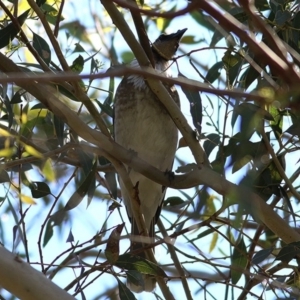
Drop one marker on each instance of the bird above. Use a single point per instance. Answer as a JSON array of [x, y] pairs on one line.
[[143, 125]]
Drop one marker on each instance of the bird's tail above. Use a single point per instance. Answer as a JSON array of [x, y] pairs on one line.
[[142, 282]]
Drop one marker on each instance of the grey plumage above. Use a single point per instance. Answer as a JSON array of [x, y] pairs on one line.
[[143, 125]]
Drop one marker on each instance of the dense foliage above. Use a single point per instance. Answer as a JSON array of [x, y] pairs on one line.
[[230, 217]]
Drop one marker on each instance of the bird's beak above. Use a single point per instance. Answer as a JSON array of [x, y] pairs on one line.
[[180, 33], [175, 36]]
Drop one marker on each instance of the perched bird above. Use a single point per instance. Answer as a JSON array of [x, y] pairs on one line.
[[142, 124]]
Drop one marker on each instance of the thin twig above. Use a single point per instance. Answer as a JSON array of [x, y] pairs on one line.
[[50, 35], [152, 13], [58, 17], [141, 31], [176, 261], [194, 85]]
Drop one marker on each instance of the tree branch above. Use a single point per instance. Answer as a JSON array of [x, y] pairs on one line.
[[30, 284], [279, 66]]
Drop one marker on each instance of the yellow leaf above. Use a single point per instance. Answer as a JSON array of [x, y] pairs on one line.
[[23, 118], [32, 114], [3, 132], [30, 150], [29, 58], [160, 22], [213, 242], [7, 152], [22, 6], [210, 208], [268, 93], [27, 199], [230, 60], [48, 170]]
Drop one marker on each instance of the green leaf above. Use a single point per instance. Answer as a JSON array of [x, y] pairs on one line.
[[70, 237], [189, 39], [4, 98], [277, 123], [264, 181], [112, 183], [294, 129], [42, 48], [39, 189], [295, 30], [127, 56], [214, 240], [172, 201], [108, 101], [8, 33], [202, 19], [212, 141], [77, 65], [59, 126], [124, 292], [57, 218], [105, 107], [4, 177], [248, 77], [77, 30], [282, 17], [51, 14], [78, 48], [48, 8], [238, 261], [48, 233], [82, 190], [262, 5], [40, 2], [261, 255], [241, 162], [287, 253], [232, 64], [16, 98], [214, 72], [137, 263], [217, 37], [66, 92], [205, 233], [251, 118], [135, 277]]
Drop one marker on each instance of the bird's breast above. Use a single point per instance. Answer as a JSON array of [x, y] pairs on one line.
[[142, 124]]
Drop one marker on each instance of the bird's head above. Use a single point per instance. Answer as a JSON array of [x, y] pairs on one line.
[[167, 44]]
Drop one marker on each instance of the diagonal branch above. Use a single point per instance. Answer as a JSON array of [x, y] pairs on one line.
[[141, 31], [261, 50], [30, 284]]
